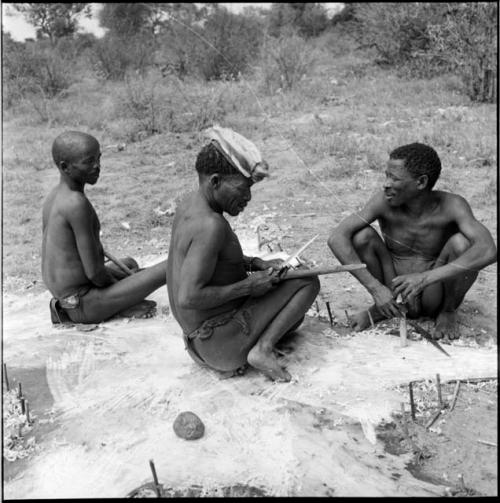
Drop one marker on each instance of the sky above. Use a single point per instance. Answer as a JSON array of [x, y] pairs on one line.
[[20, 29]]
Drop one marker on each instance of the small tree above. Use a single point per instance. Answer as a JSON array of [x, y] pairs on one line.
[[468, 41], [309, 19], [53, 20], [233, 43]]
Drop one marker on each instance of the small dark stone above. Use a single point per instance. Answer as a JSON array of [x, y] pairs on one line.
[[189, 426]]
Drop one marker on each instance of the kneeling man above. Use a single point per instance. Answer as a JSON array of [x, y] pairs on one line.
[[432, 246], [233, 309]]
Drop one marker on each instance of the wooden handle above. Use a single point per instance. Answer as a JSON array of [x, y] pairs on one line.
[[305, 273], [118, 262]]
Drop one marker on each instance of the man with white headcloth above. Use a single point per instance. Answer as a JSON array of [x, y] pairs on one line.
[[233, 309]]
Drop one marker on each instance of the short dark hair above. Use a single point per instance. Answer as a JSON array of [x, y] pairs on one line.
[[210, 160], [419, 160]]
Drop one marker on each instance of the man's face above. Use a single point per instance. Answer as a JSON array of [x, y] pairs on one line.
[[399, 186], [86, 166], [234, 193]]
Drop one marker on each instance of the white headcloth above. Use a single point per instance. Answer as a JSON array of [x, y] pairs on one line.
[[240, 152]]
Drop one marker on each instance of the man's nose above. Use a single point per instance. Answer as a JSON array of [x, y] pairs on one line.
[[387, 183]]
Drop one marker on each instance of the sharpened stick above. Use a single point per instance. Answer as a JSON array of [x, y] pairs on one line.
[[402, 325], [118, 262], [20, 391], [305, 273], [412, 403], [433, 419], [347, 317], [455, 395], [438, 387], [23, 405], [485, 442], [371, 319], [6, 377], [28, 420], [155, 478], [329, 313]]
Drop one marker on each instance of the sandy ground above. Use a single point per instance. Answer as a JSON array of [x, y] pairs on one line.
[[105, 401]]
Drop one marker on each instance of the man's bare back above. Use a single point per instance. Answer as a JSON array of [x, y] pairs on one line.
[[62, 268], [193, 215], [86, 290], [431, 247]]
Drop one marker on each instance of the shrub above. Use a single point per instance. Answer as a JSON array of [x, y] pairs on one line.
[[113, 55], [233, 42], [285, 61], [468, 40]]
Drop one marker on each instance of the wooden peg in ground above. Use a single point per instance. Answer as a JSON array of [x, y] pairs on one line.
[[402, 325]]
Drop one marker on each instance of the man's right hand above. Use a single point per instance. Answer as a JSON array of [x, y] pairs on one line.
[[262, 282], [386, 303]]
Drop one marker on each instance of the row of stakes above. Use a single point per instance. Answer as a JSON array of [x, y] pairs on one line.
[[25, 408]]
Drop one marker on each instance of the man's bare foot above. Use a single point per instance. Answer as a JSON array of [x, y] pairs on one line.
[[361, 320], [144, 309], [446, 325], [268, 364]]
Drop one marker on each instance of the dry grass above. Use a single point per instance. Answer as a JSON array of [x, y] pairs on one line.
[[339, 122]]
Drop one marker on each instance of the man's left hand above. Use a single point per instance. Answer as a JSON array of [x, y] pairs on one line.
[[408, 285]]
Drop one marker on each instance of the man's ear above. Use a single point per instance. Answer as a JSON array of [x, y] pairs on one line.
[[214, 180], [422, 181]]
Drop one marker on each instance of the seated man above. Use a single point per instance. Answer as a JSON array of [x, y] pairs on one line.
[[84, 289], [432, 246], [229, 317]]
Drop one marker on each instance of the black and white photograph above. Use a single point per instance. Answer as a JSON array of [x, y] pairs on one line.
[[249, 250]]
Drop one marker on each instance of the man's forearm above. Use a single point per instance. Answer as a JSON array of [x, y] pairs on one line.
[[473, 260], [215, 296], [347, 255]]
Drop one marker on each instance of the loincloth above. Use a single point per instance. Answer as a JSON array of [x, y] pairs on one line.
[[412, 265], [69, 309], [233, 324]]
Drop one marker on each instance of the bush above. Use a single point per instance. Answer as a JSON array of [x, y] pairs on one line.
[[113, 56], [233, 42], [36, 68], [468, 40], [428, 39], [285, 61]]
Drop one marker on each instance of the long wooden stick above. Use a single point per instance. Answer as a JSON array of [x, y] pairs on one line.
[[118, 262], [402, 325], [6, 377], [305, 273], [455, 395]]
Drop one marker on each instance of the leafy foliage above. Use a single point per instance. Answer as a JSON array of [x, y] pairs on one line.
[[308, 19], [427, 39], [53, 20]]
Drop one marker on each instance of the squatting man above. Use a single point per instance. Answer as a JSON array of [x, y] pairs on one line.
[[431, 248]]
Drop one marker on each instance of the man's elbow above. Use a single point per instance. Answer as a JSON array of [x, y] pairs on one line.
[[186, 300], [335, 238], [491, 254]]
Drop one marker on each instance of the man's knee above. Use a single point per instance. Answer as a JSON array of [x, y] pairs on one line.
[[131, 263], [457, 245], [311, 283], [364, 238]]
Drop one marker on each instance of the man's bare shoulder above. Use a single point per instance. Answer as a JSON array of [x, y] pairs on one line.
[[196, 219], [376, 206], [450, 202]]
